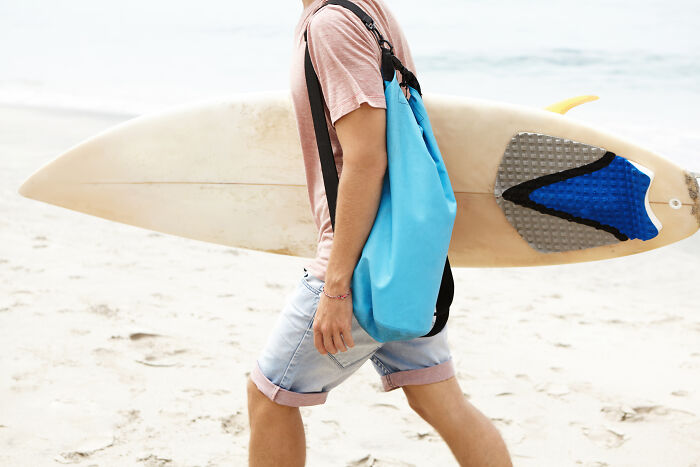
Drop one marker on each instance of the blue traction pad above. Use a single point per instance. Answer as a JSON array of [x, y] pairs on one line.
[[613, 195]]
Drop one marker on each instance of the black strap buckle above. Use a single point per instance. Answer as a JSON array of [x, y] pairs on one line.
[[390, 49]]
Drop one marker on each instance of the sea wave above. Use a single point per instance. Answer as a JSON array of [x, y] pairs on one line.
[[566, 61]]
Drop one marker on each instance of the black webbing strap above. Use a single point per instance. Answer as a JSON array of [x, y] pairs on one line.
[[323, 139], [325, 150], [444, 300]]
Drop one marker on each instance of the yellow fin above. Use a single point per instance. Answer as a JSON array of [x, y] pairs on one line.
[[568, 104]]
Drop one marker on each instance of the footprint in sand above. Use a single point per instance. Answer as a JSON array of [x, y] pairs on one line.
[[235, 424], [332, 430], [604, 437], [553, 389], [385, 406], [136, 336], [649, 413], [153, 460], [103, 310], [371, 461], [150, 349]]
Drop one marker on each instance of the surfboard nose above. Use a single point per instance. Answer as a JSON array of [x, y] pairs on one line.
[[25, 189], [36, 186], [61, 181], [47, 183]]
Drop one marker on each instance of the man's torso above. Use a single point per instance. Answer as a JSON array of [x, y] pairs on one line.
[[349, 65]]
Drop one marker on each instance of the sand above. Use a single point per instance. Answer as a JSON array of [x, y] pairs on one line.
[[122, 346]]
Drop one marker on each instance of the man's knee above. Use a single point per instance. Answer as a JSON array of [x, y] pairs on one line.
[[421, 407], [434, 399], [259, 402], [255, 396]]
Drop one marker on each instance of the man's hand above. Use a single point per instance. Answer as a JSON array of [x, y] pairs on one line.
[[332, 325]]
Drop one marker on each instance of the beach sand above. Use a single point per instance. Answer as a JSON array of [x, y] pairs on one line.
[[122, 346]]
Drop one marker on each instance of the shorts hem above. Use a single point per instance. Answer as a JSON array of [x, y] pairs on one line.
[[431, 374], [283, 396]]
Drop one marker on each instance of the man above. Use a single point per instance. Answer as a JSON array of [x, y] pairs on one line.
[[317, 342]]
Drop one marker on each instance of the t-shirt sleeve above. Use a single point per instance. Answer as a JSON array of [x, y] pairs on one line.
[[347, 58]]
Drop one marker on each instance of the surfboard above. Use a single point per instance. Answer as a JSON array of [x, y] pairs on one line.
[[533, 186]]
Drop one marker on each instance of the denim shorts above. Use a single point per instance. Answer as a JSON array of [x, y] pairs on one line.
[[290, 371]]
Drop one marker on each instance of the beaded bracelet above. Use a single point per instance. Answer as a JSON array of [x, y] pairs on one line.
[[336, 296]]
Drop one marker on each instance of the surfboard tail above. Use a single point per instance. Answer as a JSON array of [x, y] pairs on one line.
[[692, 180]]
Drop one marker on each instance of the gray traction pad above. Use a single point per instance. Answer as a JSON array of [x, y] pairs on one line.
[[532, 155]]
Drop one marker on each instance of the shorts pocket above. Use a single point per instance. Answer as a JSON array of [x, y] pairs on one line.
[[365, 346], [312, 283]]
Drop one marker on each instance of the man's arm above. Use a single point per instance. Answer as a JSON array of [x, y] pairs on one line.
[[362, 136]]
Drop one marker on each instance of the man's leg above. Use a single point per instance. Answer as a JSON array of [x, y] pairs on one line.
[[290, 373], [473, 439], [276, 432]]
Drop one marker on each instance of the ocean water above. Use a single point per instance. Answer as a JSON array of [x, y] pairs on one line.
[[127, 56]]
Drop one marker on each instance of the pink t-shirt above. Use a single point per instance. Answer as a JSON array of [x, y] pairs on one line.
[[347, 59]]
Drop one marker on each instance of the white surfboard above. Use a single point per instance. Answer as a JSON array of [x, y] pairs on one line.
[[231, 172]]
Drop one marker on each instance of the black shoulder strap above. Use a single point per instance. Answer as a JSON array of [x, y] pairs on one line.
[[389, 60], [323, 140], [325, 150]]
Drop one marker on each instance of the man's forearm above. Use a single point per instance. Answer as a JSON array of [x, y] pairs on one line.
[[359, 193]]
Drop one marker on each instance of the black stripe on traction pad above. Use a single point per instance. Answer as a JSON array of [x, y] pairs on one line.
[[520, 194]]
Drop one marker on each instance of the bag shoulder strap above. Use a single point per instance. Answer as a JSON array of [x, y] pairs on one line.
[[389, 60], [323, 139], [325, 150]]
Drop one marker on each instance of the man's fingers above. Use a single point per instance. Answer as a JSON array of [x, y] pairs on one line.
[[328, 343], [318, 342], [338, 341], [347, 337]]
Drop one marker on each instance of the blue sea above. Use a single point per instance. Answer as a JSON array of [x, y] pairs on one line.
[[136, 56]]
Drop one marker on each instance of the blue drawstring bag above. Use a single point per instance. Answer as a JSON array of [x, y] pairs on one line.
[[402, 285]]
